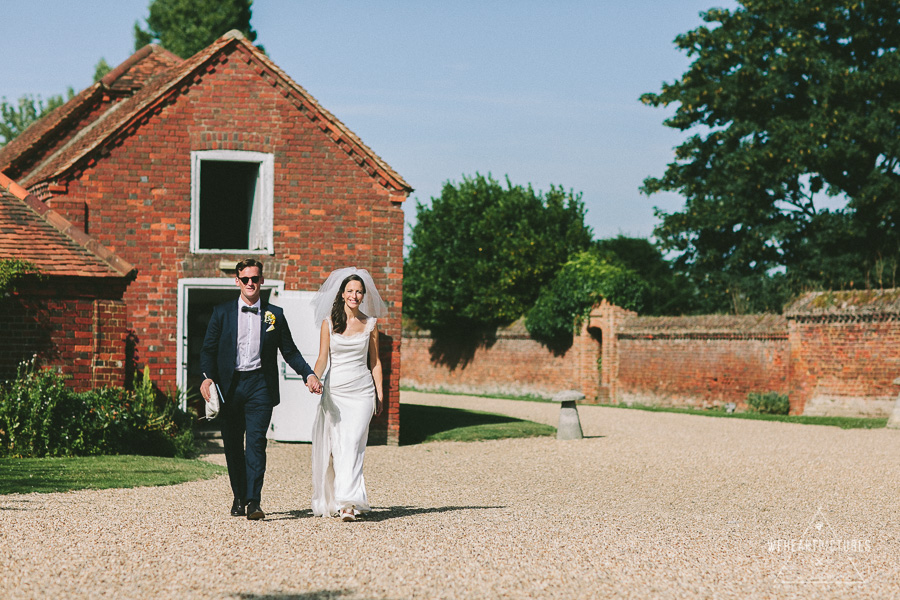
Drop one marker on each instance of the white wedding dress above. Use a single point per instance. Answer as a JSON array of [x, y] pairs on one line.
[[341, 428]]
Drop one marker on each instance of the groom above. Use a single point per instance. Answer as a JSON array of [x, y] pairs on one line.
[[238, 354]]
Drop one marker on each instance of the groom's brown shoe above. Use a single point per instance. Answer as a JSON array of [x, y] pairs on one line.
[[237, 508], [254, 512]]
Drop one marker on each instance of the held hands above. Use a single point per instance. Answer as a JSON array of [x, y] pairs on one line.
[[313, 384]]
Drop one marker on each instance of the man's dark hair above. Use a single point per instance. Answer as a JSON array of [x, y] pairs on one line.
[[247, 262]]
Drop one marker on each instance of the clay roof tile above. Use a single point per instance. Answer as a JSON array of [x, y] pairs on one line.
[[163, 84], [31, 231]]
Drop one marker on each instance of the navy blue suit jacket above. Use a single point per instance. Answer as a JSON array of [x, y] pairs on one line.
[[218, 357]]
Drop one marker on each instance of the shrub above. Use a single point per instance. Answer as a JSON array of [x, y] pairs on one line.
[[583, 281], [40, 416], [768, 403]]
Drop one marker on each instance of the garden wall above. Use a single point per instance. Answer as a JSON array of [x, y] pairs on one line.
[[512, 364], [701, 361], [832, 353], [845, 347]]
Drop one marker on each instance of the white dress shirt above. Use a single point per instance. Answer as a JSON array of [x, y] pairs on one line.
[[248, 358]]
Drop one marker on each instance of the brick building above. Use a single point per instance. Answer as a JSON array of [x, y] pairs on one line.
[[184, 167], [72, 313]]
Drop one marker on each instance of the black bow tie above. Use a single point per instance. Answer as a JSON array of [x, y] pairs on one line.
[[253, 309]]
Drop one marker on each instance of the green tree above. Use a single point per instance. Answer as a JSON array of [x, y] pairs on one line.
[[790, 103], [101, 69], [185, 27], [668, 291], [481, 252], [583, 281], [14, 119]]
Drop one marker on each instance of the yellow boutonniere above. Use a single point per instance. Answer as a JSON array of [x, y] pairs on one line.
[[270, 319]]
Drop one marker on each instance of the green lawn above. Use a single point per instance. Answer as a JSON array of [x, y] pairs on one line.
[[437, 423], [842, 422], [419, 424], [25, 475]]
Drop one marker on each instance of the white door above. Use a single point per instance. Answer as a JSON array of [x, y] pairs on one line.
[[292, 419]]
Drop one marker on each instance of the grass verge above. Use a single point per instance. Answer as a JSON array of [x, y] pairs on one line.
[[527, 398], [438, 423], [26, 475], [842, 422]]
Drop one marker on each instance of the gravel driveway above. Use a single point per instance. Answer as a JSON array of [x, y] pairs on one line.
[[648, 505]]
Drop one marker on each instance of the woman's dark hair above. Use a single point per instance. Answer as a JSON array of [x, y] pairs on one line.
[[338, 316]]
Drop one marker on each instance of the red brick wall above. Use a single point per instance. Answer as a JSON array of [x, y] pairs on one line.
[[615, 359], [513, 364], [840, 364], [846, 365], [701, 371], [329, 212], [84, 337]]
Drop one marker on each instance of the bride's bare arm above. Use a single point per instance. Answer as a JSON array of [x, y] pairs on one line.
[[375, 361], [324, 344]]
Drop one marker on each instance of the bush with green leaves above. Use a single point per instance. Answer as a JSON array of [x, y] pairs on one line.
[[768, 403], [582, 281], [12, 270], [481, 252], [40, 416]]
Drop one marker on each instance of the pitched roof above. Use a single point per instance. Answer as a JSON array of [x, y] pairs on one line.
[[121, 118], [31, 231], [128, 77]]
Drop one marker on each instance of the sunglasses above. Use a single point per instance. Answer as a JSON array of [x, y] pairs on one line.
[[246, 280]]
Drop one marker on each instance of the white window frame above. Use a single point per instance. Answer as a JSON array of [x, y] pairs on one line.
[[264, 201]]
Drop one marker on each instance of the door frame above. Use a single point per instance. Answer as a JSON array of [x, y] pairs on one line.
[[185, 285]]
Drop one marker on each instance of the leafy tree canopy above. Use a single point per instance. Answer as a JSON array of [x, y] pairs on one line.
[[185, 27], [481, 252], [668, 292], [586, 279], [14, 119], [790, 102]]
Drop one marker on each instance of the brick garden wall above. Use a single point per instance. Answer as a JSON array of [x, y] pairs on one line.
[[836, 362], [846, 354], [702, 361], [84, 337], [513, 364], [329, 211]]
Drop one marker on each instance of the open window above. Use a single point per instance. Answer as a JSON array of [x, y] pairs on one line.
[[232, 201]]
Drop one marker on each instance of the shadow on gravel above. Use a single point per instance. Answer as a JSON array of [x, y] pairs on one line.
[[397, 512], [288, 515], [380, 514], [209, 441], [317, 595]]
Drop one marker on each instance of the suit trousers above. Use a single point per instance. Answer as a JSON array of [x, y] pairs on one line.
[[247, 409]]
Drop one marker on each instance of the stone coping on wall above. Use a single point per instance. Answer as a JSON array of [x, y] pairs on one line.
[[756, 326], [846, 305]]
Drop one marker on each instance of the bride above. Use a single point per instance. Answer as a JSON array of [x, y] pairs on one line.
[[346, 305]]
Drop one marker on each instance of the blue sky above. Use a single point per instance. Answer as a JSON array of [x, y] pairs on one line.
[[544, 92]]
